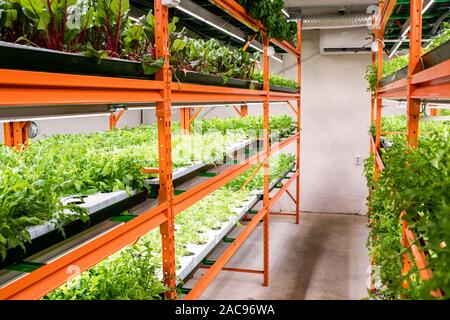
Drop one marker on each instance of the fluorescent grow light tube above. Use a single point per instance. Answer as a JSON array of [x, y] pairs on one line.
[[285, 13], [428, 5], [256, 48], [196, 16], [260, 50], [396, 48], [210, 23], [55, 117], [404, 33], [277, 59]]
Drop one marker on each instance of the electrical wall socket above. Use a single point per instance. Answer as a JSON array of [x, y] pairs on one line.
[[359, 160]]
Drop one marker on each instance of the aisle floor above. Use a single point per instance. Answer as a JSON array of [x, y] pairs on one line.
[[324, 257]]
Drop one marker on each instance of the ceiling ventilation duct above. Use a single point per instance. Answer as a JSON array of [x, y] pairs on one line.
[[336, 21]]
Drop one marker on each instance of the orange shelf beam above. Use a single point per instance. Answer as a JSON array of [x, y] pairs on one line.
[[114, 118], [386, 13], [29, 88], [195, 93], [42, 88], [286, 46]]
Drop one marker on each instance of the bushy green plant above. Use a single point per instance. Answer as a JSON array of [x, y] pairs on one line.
[[416, 181], [442, 38], [389, 67], [211, 57], [97, 28], [444, 112], [276, 80], [129, 274], [270, 14], [253, 124]]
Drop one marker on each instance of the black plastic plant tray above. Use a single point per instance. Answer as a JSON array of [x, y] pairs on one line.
[[430, 59], [211, 80], [21, 57], [283, 89], [53, 237], [436, 56], [400, 74]]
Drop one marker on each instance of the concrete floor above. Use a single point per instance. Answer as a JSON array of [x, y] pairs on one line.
[[324, 257]]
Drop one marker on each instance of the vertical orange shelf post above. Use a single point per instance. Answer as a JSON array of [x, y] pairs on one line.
[[114, 118], [379, 101], [415, 52], [434, 112], [299, 112], [15, 134], [244, 110], [372, 151], [413, 105], [185, 120], [187, 116], [163, 114], [266, 88], [372, 104]]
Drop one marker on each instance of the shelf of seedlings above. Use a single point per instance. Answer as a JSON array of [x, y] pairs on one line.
[[189, 264], [106, 211]]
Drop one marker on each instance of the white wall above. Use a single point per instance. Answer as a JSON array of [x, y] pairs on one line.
[[335, 121]]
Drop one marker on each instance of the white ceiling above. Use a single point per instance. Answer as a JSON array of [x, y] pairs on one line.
[[321, 3], [325, 7]]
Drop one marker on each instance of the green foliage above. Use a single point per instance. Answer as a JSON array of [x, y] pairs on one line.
[[250, 124], [270, 15], [442, 38], [371, 78], [276, 80], [393, 65], [389, 67], [444, 112], [278, 167], [210, 57], [398, 124], [417, 181], [130, 274], [102, 29], [97, 28], [34, 180]]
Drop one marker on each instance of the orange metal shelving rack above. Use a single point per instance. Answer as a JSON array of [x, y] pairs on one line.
[[37, 89], [431, 83]]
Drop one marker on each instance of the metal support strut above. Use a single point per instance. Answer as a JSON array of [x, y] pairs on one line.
[[163, 114], [16, 134], [187, 117]]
